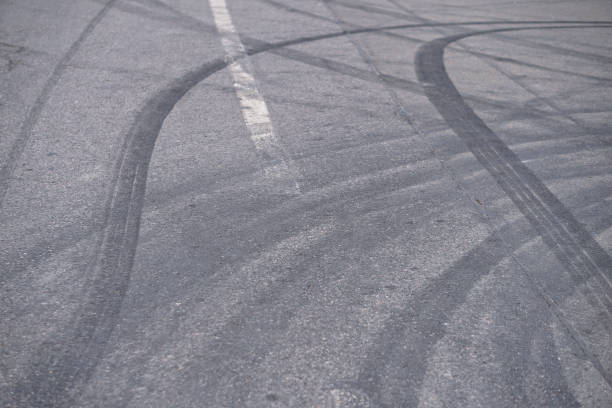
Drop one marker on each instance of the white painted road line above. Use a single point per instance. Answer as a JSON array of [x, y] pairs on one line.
[[253, 107]]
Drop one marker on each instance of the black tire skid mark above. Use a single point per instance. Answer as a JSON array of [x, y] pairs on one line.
[[18, 146], [380, 359], [569, 51], [409, 335], [539, 97], [177, 19], [562, 146], [59, 368], [552, 363], [91, 329], [393, 81], [505, 59], [248, 254], [282, 221], [227, 350], [292, 278], [538, 66], [560, 112], [370, 9], [559, 50], [524, 42], [488, 253], [280, 6], [195, 186], [525, 339], [230, 343], [465, 133], [553, 381], [423, 316], [243, 337], [513, 351], [197, 24], [514, 347], [384, 79], [396, 82], [322, 199], [272, 295], [250, 334], [487, 57], [400, 83], [193, 23], [560, 383], [289, 9], [575, 248], [17, 262], [416, 40]]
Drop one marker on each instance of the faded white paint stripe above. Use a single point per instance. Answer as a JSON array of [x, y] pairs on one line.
[[252, 104]]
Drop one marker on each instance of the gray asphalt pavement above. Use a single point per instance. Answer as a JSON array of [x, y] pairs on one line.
[[315, 203]]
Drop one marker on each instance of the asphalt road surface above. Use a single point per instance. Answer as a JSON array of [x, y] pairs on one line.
[[305, 203]]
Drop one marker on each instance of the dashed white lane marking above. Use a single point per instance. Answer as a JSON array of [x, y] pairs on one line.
[[252, 105]]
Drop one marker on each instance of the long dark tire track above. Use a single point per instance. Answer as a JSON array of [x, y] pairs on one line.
[[17, 148], [74, 357], [573, 245]]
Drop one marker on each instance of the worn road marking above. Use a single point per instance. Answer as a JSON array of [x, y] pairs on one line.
[[252, 104]]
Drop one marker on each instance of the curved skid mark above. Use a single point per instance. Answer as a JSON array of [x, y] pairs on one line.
[[575, 248], [371, 9], [391, 80], [290, 9], [410, 334], [422, 321], [24, 258], [7, 169], [248, 330], [522, 359], [75, 356], [150, 9], [513, 61]]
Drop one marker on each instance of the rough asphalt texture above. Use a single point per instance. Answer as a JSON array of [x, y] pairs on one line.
[[449, 243]]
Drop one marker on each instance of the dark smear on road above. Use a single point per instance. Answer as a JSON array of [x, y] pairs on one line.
[[59, 369]]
